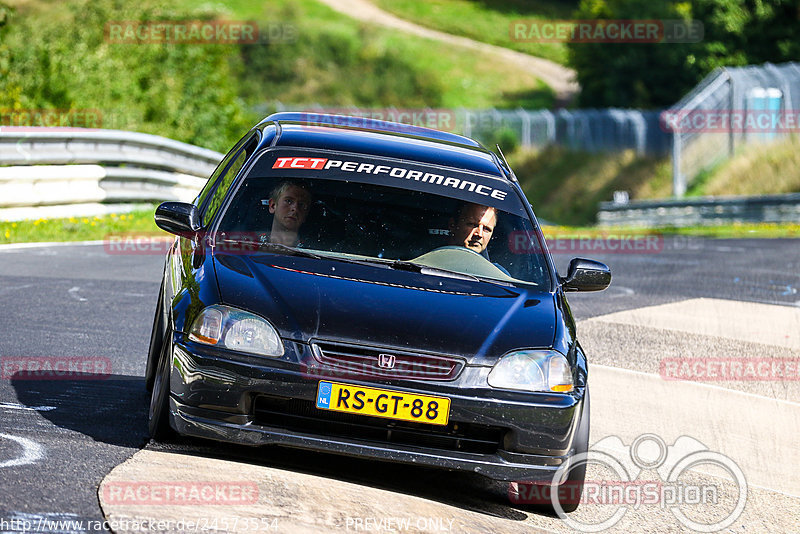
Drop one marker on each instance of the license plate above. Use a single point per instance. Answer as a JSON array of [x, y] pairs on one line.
[[383, 403]]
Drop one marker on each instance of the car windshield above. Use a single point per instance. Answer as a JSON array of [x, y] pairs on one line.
[[383, 225]]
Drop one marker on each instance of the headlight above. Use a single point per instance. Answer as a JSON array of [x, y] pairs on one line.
[[532, 370], [236, 330]]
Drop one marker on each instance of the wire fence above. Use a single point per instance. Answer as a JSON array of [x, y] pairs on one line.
[[591, 130], [730, 108]]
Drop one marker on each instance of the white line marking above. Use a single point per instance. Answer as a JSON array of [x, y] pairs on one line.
[[14, 288], [15, 406], [621, 291], [74, 294], [31, 452], [16, 246], [697, 384]]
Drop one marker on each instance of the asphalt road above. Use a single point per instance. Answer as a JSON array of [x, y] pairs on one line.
[[59, 438]]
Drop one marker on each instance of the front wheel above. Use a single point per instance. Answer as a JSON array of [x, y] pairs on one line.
[[158, 415], [570, 492], [156, 340], [567, 494]]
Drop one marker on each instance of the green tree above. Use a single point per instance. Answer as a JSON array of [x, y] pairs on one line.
[[655, 75], [186, 92], [742, 32]]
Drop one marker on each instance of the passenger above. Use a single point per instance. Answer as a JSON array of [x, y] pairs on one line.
[[289, 202], [472, 227]]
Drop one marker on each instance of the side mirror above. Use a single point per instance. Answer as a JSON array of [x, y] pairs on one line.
[[586, 275], [179, 218]]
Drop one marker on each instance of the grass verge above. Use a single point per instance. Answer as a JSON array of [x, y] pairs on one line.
[[336, 60], [757, 169], [209, 94], [80, 228], [566, 186], [728, 231]]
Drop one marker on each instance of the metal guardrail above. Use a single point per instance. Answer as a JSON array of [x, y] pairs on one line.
[[47, 172], [701, 211]]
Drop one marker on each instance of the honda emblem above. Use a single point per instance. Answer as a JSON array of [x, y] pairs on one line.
[[386, 361]]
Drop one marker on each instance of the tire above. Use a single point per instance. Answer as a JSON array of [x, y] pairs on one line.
[[158, 415], [573, 485], [537, 496], [156, 341]]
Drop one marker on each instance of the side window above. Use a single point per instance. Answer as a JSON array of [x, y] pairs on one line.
[[226, 179], [201, 198]]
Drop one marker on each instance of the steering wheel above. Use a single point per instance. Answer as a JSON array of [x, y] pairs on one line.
[[458, 247]]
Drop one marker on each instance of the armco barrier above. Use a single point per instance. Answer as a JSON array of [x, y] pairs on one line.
[[47, 172], [701, 211]]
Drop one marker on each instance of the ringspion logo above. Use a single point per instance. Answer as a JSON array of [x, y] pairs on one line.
[[672, 484]]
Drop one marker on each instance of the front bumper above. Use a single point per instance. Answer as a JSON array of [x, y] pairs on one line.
[[503, 435]]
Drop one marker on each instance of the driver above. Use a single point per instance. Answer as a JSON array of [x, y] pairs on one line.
[[289, 202], [472, 227]]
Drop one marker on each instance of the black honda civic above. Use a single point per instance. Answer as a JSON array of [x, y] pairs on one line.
[[375, 290]]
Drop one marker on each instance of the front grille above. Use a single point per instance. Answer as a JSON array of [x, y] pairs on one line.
[[355, 360], [304, 416]]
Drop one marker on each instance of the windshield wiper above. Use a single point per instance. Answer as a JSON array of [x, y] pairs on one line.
[[286, 249], [292, 251], [271, 247], [438, 271], [402, 265]]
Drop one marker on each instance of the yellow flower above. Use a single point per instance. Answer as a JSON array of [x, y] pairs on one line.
[[8, 234], [94, 223], [13, 225], [113, 215], [73, 220], [36, 222], [122, 217], [85, 221]]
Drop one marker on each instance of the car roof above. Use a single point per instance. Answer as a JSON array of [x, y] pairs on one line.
[[359, 135]]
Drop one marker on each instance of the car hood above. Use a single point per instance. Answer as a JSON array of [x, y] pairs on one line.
[[320, 299]]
